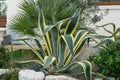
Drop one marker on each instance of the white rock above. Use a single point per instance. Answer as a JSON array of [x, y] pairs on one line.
[[59, 77], [98, 78], [30, 75], [3, 71], [111, 78]]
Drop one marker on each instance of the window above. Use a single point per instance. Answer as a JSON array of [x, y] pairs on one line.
[[3, 7], [109, 2]]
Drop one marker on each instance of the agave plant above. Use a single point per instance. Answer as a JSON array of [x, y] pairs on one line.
[[63, 46]]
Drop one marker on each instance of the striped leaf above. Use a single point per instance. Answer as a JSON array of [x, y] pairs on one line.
[[106, 25], [42, 26], [116, 32], [78, 45], [55, 36], [41, 21], [80, 40], [28, 61], [88, 70], [113, 26], [113, 33], [73, 23], [80, 35], [34, 50], [62, 47], [40, 48], [86, 67], [68, 39], [58, 25], [23, 38], [48, 60]]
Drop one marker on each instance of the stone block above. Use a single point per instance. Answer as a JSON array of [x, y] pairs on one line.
[[3, 71], [31, 75], [59, 77], [6, 40]]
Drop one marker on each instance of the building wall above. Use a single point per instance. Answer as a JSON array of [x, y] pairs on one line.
[[113, 16], [12, 8]]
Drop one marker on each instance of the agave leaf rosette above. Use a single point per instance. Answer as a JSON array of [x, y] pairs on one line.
[[63, 46]]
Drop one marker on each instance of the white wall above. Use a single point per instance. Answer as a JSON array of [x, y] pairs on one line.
[[11, 10], [113, 16]]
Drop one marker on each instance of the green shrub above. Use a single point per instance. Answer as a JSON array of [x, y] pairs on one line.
[[10, 76], [24, 54], [4, 57], [108, 59]]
